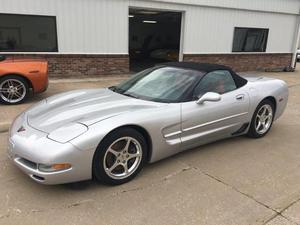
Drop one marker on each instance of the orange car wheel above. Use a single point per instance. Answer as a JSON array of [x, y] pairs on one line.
[[13, 90]]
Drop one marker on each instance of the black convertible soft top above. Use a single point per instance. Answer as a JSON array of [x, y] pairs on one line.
[[207, 67]]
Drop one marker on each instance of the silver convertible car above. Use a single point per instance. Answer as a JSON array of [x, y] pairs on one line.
[[110, 134]]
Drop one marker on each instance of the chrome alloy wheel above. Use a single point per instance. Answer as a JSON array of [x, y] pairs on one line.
[[12, 90], [122, 158], [264, 119]]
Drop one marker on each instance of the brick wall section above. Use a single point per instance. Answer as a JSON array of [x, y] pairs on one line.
[[87, 65], [246, 62], [97, 65], [66, 65]]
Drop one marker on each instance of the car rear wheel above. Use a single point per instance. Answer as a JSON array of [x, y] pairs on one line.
[[120, 156], [13, 90], [262, 119]]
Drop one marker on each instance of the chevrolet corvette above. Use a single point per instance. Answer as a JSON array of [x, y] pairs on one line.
[[110, 134], [18, 76]]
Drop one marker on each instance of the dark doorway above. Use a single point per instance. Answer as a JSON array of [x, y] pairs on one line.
[[154, 37]]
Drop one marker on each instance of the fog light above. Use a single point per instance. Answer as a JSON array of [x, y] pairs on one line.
[[54, 167]]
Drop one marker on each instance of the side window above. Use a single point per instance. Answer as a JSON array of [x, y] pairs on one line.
[[219, 81]]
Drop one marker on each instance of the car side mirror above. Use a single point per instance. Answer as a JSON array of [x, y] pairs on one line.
[[209, 97]]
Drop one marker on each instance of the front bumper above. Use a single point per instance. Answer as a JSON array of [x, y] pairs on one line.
[[31, 147]]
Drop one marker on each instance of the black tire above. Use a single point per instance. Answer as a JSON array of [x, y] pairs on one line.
[[16, 79], [253, 133], [100, 155]]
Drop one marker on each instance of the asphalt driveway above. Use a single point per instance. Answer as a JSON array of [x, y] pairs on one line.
[[238, 181]]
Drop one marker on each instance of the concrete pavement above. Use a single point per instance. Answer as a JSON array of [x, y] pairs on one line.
[[238, 181]]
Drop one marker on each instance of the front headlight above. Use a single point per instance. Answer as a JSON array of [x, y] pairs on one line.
[[54, 167], [67, 133]]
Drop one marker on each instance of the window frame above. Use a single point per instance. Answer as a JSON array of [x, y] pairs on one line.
[[35, 15], [251, 28]]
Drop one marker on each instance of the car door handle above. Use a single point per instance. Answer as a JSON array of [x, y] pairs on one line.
[[240, 97]]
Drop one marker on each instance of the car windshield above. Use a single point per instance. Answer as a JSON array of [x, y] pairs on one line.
[[160, 84]]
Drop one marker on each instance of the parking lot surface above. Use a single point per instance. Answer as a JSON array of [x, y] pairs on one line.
[[238, 181]]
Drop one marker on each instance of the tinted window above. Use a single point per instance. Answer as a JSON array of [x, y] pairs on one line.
[[250, 40], [26, 33], [219, 81], [165, 84]]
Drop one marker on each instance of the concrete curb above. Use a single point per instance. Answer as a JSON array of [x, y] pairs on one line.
[[4, 127]]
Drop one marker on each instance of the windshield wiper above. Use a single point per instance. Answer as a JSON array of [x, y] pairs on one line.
[[129, 95], [120, 91], [112, 88], [115, 89]]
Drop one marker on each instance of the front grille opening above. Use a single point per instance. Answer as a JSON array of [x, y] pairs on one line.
[[38, 177], [28, 163]]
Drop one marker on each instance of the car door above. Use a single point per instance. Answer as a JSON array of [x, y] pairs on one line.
[[210, 121]]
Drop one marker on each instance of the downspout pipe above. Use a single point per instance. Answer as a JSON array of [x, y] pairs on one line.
[[296, 43]]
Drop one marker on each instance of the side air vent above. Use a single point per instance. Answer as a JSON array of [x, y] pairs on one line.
[[242, 129]]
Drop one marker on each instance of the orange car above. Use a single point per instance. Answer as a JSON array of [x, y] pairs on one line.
[[19, 76]]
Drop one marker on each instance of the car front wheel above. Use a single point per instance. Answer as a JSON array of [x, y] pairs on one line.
[[262, 119], [13, 90], [120, 156]]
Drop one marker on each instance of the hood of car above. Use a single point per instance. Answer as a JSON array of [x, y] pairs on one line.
[[83, 106]]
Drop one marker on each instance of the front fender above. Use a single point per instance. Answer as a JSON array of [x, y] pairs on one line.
[[158, 123]]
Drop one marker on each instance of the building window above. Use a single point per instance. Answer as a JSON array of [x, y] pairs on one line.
[[250, 39], [27, 33]]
